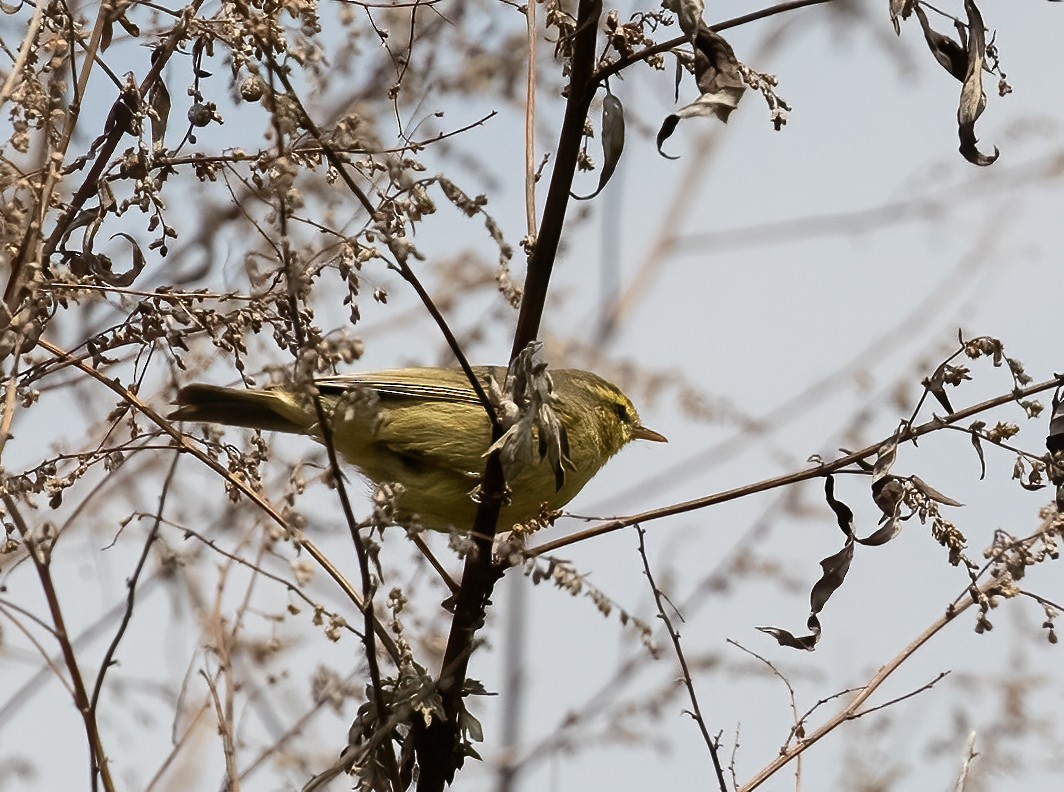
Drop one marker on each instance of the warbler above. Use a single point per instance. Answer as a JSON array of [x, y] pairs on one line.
[[426, 429]]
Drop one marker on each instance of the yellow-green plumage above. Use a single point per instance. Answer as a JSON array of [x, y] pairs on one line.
[[426, 429]]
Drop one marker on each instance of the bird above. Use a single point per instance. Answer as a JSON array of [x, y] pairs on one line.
[[427, 430]]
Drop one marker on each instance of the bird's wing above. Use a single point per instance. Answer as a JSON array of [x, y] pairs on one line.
[[452, 435], [438, 384]]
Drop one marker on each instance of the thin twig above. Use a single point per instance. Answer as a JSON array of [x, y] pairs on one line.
[[50, 663], [131, 585], [29, 44], [295, 729], [226, 636], [798, 720], [289, 586], [969, 756], [178, 743], [674, 636], [434, 562], [942, 675], [530, 123], [225, 729], [24, 693]]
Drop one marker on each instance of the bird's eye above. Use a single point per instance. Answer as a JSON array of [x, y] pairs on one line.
[[622, 412]]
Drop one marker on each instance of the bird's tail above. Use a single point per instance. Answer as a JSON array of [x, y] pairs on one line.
[[273, 410]]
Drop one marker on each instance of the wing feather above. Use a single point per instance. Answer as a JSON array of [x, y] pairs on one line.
[[437, 384]]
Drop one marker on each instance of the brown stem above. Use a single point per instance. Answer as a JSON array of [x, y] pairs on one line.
[[679, 41], [853, 709], [437, 745], [905, 434], [530, 122], [40, 554]]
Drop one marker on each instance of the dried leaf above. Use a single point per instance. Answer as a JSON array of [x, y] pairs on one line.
[[719, 82], [791, 641], [888, 494], [159, 102], [973, 100], [1055, 438], [835, 568], [688, 14], [936, 386], [900, 9], [83, 263], [716, 67], [883, 534], [965, 60], [932, 493], [612, 141], [978, 444], [125, 112], [843, 513], [130, 27], [470, 725], [106, 34], [885, 457], [718, 104], [953, 56]]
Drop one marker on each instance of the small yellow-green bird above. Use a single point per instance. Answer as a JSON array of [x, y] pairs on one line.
[[426, 429]]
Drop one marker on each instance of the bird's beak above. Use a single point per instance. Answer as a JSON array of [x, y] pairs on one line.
[[642, 433]]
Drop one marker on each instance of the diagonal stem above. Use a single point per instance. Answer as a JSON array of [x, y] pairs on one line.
[[438, 745]]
